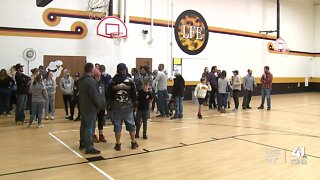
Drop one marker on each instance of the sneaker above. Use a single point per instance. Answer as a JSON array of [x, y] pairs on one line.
[[174, 117], [249, 107], [117, 147], [70, 118], [47, 117], [67, 116], [93, 151], [161, 115], [102, 138], [52, 118], [244, 108], [134, 145], [145, 137], [29, 125], [77, 119], [181, 116], [200, 116], [268, 108], [137, 136], [95, 139], [235, 110], [260, 107], [40, 126]]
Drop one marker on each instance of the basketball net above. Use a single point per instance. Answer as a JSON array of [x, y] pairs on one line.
[[98, 9], [116, 38]]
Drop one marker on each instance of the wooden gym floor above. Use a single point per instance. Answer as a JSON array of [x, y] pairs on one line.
[[248, 144]]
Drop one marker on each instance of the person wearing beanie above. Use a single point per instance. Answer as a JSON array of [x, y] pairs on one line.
[[121, 100], [101, 114], [90, 105]]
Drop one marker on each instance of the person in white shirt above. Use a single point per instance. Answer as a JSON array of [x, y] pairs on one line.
[[236, 88], [200, 92]]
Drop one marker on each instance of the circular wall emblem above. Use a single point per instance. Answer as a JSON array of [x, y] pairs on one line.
[[191, 32]]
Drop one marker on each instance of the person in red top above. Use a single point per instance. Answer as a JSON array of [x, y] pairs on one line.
[[266, 86]]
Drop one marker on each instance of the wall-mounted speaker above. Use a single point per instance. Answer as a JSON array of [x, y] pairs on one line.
[[43, 3]]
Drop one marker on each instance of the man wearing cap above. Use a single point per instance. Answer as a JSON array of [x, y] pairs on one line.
[[90, 105], [23, 84], [266, 86], [236, 88], [248, 84], [122, 99]]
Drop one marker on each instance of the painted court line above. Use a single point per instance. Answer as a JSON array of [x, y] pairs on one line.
[[80, 156], [173, 129]]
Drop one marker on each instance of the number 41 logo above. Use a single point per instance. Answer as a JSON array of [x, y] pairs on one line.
[[298, 152]]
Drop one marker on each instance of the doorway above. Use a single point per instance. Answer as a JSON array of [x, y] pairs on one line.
[[140, 62], [74, 63]]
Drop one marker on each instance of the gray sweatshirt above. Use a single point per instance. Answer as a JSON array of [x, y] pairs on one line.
[[66, 85], [222, 85], [162, 81], [50, 86], [39, 92]]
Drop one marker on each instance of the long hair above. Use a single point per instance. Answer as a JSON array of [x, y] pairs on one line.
[[223, 74], [3, 74], [37, 79]]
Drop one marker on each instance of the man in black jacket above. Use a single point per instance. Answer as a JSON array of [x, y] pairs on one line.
[[23, 84], [89, 102], [122, 99]]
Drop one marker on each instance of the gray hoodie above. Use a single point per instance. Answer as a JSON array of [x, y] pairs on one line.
[[50, 86], [39, 92], [66, 83]]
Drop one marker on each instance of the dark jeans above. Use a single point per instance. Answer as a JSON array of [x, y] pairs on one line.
[[5, 97], [179, 107], [101, 119], [236, 98], [223, 97], [162, 99], [212, 99], [37, 110], [75, 101], [67, 99], [88, 124], [142, 116], [246, 98], [21, 105]]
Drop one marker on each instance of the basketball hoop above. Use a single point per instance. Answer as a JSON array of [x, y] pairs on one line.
[[98, 9]]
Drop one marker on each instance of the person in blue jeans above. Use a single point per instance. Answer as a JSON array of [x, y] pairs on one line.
[[6, 84], [177, 94], [266, 86], [161, 81], [39, 97]]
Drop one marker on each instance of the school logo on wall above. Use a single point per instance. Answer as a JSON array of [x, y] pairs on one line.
[[191, 32]]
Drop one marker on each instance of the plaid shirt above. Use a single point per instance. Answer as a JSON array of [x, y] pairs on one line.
[[266, 80]]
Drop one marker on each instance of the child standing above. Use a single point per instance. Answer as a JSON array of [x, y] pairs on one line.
[[143, 112], [200, 93]]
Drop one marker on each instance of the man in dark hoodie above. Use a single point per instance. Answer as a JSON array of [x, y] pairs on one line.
[[122, 99], [89, 103]]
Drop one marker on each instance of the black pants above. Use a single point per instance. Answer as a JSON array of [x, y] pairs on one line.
[[67, 99], [101, 119], [246, 98], [236, 98], [75, 102], [212, 99], [142, 116]]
